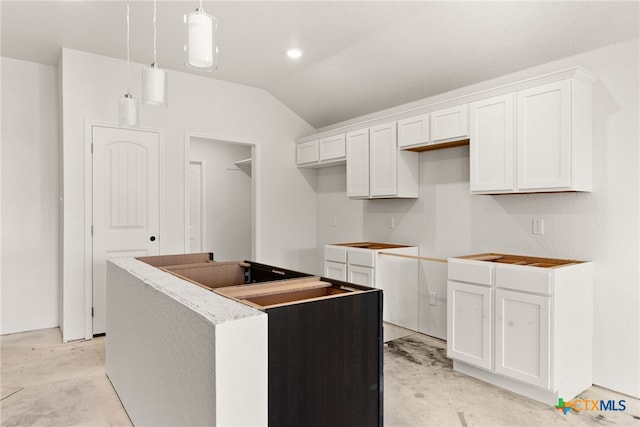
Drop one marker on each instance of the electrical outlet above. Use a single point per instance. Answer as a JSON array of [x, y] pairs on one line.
[[538, 226], [433, 298]]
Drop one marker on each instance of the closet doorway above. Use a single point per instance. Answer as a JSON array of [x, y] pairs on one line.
[[221, 194]]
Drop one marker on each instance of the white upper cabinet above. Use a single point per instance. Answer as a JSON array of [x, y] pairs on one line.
[[491, 152], [307, 152], [323, 152], [383, 160], [413, 131], [450, 124], [375, 168], [358, 163], [332, 148], [544, 137], [534, 140]]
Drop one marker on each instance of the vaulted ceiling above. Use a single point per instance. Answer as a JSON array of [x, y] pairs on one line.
[[359, 56]]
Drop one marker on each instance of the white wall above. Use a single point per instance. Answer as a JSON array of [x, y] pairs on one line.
[[602, 226], [91, 87], [227, 200], [29, 196]]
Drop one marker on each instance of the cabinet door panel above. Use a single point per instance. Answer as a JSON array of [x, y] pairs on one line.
[[335, 270], [544, 136], [307, 152], [492, 144], [358, 163], [332, 148], [383, 177], [522, 337], [450, 124], [413, 131], [360, 275], [469, 323]]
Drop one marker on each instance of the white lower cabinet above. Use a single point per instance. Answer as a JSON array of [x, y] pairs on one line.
[[469, 323], [507, 323], [360, 275], [335, 270], [522, 336], [396, 276]]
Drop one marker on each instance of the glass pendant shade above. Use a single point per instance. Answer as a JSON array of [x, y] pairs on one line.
[[128, 111], [154, 86], [201, 52]]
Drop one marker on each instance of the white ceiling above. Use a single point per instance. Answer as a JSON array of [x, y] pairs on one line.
[[360, 56]]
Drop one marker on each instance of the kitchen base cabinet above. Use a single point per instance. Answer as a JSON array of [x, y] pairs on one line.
[[366, 264], [522, 323], [469, 323], [310, 387], [522, 337], [193, 341]]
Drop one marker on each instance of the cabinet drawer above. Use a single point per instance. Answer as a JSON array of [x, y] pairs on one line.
[[522, 278], [335, 253], [362, 257], [469, 271]]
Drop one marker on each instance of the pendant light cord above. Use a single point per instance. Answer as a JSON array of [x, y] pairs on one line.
[[128, 72], [154, 34]]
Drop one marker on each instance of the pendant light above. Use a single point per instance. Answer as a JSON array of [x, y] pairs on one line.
[[154, 78], [128, 104], [201, 50]]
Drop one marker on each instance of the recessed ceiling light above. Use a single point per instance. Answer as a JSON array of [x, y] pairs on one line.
[[294, 53]]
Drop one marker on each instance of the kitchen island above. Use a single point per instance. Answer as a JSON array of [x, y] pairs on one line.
[[278, 348]]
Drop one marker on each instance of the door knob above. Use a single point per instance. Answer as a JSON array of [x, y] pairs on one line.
[[152, 238]]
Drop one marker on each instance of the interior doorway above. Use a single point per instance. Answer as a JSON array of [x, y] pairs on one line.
[[221, 205]]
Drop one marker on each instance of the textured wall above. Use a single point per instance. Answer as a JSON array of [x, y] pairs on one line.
[[29, 196]]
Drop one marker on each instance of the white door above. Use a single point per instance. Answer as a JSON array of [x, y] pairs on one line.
[[383, 159], [522, 337], [125, 203], [358, 163], [469, 323], [544, 136], [196, 206], [492, 144]]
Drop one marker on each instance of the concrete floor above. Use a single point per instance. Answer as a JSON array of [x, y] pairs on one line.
[[45, 382]]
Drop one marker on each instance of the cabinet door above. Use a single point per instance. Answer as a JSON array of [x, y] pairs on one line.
[[332, 148], [335, 270], [358, 163], [360, 275], [492, 144], [522, 337], [544, 137], [469, 323], [383, 158], [307, 152], [450, 124], [413, 131]]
